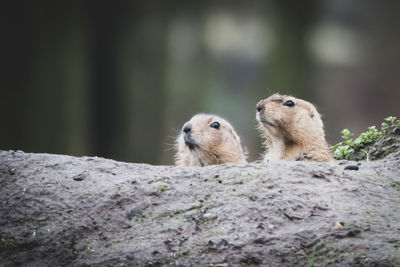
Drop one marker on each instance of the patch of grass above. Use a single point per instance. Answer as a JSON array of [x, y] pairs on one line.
[[311, 260], [347, 148]]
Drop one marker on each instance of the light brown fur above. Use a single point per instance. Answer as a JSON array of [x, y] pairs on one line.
[[208, 145], [292, 133]]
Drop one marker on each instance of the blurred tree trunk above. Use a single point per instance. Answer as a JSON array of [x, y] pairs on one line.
[[16, 54], [143, 77], [290, 67], [60, 78], [104, 86], [128, 53], [47, 89]]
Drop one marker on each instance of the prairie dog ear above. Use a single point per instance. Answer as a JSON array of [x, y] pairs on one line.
[[311, 113], [316, 117]]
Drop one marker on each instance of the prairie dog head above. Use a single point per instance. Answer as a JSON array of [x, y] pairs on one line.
[[208, 140], [289, 119]]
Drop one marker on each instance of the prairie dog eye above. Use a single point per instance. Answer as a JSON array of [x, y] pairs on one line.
[[289, 103], [215, 125]]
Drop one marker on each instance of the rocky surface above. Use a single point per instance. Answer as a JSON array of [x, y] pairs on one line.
[[67, 211]]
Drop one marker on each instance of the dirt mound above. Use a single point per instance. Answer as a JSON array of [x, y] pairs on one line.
[[60, 210]]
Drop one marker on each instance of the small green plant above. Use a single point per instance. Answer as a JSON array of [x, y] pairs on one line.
[[366, 153], [162, 188], [342, 151], [89, 249], [346, 148], [391, 119], [311, 259], [346, 134], [394, 122]]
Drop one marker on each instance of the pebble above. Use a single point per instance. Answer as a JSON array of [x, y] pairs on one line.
[[317, 174], [210, 216], [79, 177], [338, 225], [351, 167]]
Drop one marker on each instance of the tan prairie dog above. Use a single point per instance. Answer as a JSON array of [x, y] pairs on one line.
[[208, 140], [293, 129]]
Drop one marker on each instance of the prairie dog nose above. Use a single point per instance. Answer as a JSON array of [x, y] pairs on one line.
[[187, 127], [260, 106]]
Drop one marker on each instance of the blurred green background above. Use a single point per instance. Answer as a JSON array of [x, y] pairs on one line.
[[118, 79]]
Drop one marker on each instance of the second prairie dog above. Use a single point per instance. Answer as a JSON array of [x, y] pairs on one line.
[[293, 129], [208, 140]]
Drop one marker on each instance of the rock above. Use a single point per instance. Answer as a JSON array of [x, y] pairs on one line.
[[210, 216], [101, 212], [351, 167], [80, 177]]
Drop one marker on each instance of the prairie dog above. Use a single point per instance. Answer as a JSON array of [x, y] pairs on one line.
[[293, 129], [208, 140]]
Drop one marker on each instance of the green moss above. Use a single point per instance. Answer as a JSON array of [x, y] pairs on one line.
[[9, 243], [396, 262], [162, 188], [370, 214], [177, 212], [395, 185], [217, 233], [89, 250]]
